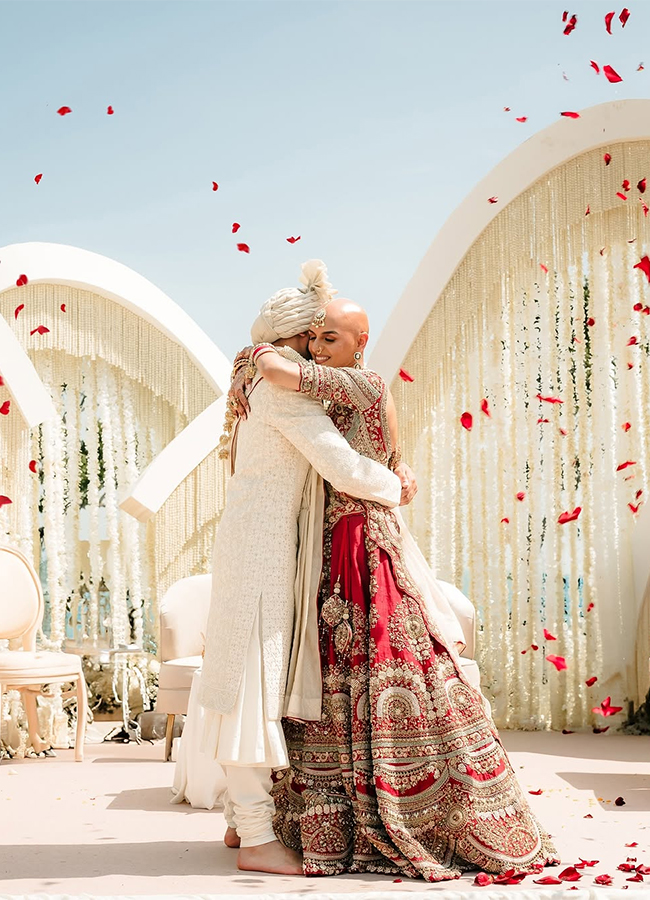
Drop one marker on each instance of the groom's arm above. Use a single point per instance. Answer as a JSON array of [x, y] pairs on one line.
[[305, 423]]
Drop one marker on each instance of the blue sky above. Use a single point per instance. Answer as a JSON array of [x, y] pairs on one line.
[[357, 124]]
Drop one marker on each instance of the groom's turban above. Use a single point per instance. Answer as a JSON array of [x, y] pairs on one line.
[[291, 311]]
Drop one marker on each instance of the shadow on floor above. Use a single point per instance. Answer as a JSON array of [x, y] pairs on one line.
[[634, 789], [156, 799]]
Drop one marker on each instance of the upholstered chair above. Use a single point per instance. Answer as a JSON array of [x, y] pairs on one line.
[[27, 669], [183, 620]]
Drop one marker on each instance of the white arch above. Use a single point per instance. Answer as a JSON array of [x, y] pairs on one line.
[[624, 120], [61, 264]]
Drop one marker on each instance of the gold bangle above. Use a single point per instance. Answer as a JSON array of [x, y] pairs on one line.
[[395, 459]]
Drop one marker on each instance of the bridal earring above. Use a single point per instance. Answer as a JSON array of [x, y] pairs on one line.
[[357, 364]]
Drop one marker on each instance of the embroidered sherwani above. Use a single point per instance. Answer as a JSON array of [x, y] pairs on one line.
[[255, 551]]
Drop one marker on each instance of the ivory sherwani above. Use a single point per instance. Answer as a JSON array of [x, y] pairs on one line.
[[255, 552]]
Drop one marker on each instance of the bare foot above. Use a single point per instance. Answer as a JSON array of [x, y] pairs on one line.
[[273, 858], [231, 838]]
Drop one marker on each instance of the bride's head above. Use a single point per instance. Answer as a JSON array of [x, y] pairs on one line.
[[339, 334]]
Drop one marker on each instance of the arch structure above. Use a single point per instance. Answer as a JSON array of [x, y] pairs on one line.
[[101, 370], [524, 340]]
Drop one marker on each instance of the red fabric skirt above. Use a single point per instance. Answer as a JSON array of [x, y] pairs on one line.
[[405, 772]]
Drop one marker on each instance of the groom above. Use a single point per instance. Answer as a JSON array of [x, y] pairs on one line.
[[251, 621]]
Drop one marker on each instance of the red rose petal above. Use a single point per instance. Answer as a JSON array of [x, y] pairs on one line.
[[591, 322], [571, 24], [562, 431], [640, 67], [634, 508], [18, 309], [4, 409], [485, 408], [624, 16], [600, 730], [588, 816], [630, 366], [644, 266], [547, 879], [235, 227], [466, 421], [63, 309], [521, 495], [641, 186], [32, 465], [536, 793], [566, 731], [4, 500], [638, 494], [633, 844], [541, 421], [608, 21], [621, 196], [645, 207], [632, 341], [637, 307], [590, 682], [64, 110], [110, 111], [544, 268], [549, 636], [643, 870], [292, 240], [595, 66], [493, 199], [619, 801], [570, 115], [243, 248], [569, 516], [626, 187], [608, 158], [626, 867], [570, 874], [637, 877], [41, 329], [405, 376], [483, 879], [626, 426], [611, 75], [506, 109], [588, 211], [548, 399], [534, 647], [21, 280], [558, 661], [606, 708], [522, 118], [507, 521], [215, 186], [625, 465], [603, 879], [37, 178]]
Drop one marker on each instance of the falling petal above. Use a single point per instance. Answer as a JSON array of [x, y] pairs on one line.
[[549, 636], [243, 248], [41, 329], [64, 110], [485, 408], [606, 709], [638, 493], [571, 24], [292, 240], [32, 465], [534, 647], [634, 508], [591, 322], [611, 75], [18, 309], [215, 186], [541, 421], [521, 496], [570, 115], [640, 67], [644, 266], [588, 211], [608, 21], [466, 421], [632, 341], [641, 186], [595, 66], [565, 15], [63, 309], [4, 409], [626, 185], [608, 158], [521, 119], [633, 844], [569, 517], [558, 661], [637, 307], [625, 465], [624, 16], [37, 178], [493, 199], [110, 111], [405, 376], [646, 208], [544, 268], [621, 196], [548, 399], [4, 500], [507, 521], [590, 682], [506, 109], [21, 280]]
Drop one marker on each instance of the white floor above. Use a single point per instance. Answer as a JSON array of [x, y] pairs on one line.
[[106, 827]]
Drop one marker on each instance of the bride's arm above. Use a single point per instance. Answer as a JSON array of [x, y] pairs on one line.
[[277, 369]]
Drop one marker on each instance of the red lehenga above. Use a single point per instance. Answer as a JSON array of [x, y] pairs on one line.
[[405, 773]]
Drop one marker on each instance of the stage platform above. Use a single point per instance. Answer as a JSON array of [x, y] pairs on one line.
[[106, 827]]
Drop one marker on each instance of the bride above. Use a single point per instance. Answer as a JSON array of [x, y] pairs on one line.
[[405, 772]]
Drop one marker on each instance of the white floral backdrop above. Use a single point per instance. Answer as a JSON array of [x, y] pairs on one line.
[[530, 399]]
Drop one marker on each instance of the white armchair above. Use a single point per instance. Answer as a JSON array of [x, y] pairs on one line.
[[27, 669], [183, 620]]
